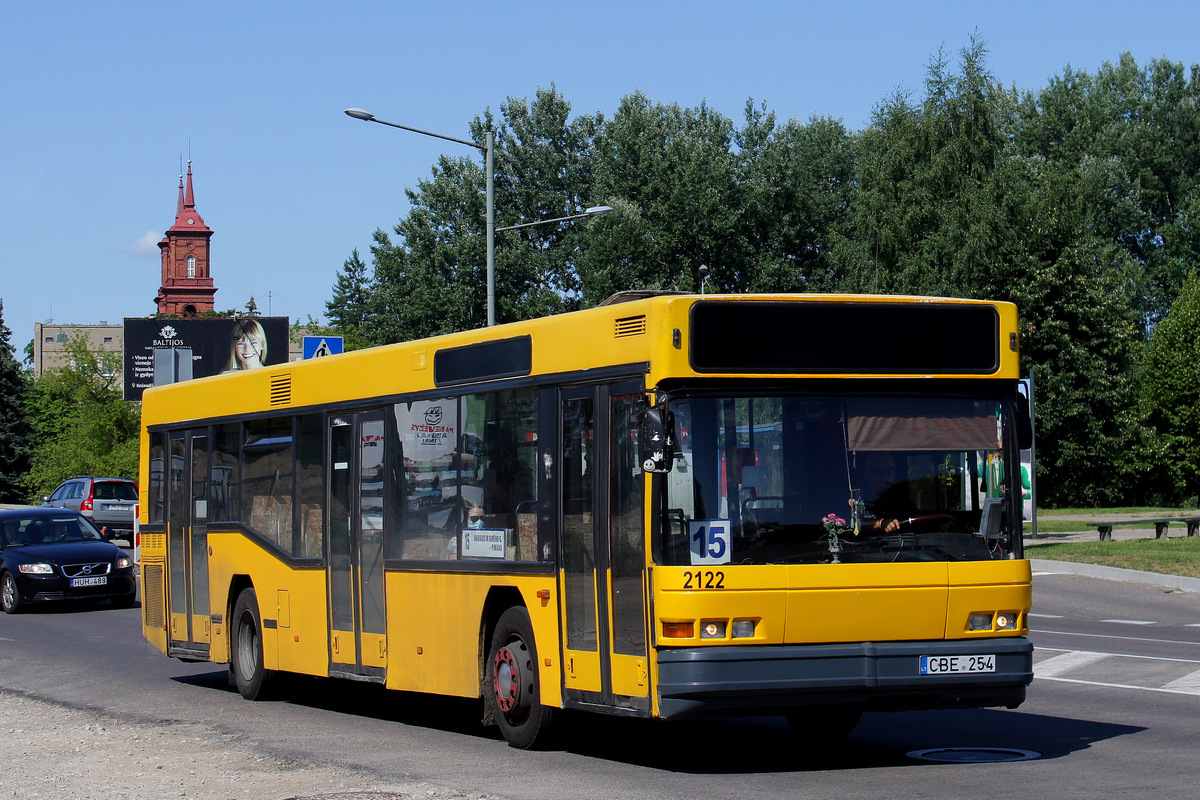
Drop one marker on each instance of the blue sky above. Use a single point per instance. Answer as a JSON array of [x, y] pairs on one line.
[[101, 100]]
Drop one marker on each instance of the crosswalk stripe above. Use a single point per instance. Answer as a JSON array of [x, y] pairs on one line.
[[1057, 665], [1188, 683]]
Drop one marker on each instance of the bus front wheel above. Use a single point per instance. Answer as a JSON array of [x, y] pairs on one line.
[[251, 676], [513, 683]]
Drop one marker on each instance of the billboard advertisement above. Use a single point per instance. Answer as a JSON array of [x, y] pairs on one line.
[[163, 350]]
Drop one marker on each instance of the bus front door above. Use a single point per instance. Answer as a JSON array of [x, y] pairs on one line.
[[187, 543], [357, 619], [602, 546]]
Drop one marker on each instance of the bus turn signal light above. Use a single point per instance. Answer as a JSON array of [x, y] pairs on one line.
[[679, 630]]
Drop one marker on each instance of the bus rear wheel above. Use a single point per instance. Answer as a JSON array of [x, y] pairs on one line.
[[246, 659], [513, 683]]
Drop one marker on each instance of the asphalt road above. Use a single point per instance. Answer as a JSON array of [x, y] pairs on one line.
[[1112, 714]]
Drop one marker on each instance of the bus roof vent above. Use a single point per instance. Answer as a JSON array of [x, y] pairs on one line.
[[631, 326], [281, 390]]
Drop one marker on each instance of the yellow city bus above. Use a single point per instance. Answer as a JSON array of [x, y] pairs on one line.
[[671, 505]]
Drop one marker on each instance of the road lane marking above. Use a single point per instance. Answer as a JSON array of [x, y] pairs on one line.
[[1122, 686], [1045, 616], [1113, 636], [1130, 621]]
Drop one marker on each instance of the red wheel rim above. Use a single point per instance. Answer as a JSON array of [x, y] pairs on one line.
[[506, 680]]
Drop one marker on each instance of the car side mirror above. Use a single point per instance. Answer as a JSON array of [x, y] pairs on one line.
[[656, 441], [45, 498]]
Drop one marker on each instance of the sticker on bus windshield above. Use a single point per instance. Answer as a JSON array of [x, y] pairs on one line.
[[709, 540]]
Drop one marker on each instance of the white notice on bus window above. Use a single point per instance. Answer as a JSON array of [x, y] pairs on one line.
[[483, 543], [709, 541]]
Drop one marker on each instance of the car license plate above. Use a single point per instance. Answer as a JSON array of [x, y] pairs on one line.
[[120, 508], [97, 581], [944, 665]]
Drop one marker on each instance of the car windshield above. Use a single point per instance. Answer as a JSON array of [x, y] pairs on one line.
[[20, 531], [115, 490], [809, 480]]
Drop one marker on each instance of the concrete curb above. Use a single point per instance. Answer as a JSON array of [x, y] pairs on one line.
[[1117, 574]]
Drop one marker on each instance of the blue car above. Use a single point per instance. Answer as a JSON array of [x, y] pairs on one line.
[[58, 554]]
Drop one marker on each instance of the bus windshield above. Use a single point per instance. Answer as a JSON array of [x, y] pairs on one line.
[[819, 479]]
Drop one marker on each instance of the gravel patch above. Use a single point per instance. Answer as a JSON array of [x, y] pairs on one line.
[[53, 752]]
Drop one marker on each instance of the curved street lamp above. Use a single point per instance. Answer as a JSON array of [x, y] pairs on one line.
[[488, 149], [593, 211]]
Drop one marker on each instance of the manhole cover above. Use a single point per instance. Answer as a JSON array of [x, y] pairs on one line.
[[974, 755]]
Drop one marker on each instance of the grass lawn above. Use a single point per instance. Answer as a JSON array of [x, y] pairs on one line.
[[1179, 556]]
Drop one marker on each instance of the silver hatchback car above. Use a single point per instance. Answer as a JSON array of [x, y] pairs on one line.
[[108, 502]]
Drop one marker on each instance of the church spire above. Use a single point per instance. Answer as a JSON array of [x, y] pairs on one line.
[[189, 199], [187, 286]]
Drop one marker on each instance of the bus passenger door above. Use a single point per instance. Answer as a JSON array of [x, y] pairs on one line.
[[357, 619], [187, 542], [602, 546]]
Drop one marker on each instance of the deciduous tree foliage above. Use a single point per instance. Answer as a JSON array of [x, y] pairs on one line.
[[1170, 396], [1080, 202], [82, 426]]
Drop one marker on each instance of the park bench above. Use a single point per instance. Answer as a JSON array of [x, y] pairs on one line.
[[1160, 526]]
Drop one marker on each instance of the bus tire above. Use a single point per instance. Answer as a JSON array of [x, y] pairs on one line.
[[513, 682], [246, 656]]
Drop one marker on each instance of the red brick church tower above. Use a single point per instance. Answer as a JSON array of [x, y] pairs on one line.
[[187, 286]]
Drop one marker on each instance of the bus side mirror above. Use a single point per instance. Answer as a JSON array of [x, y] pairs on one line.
[[656, 445], [1024, 424]]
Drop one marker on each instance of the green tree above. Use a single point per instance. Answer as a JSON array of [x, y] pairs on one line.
[[671, 176], [431, 279], [1169, 390], [348, 310], [1143, 122], [14, 426], [81, 423]]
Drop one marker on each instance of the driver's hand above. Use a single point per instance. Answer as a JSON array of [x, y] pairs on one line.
[[885, 525]]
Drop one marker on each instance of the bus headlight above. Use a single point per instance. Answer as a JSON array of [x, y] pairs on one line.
[[979, 622], [743, 629], [1006, 621], [713, 629]]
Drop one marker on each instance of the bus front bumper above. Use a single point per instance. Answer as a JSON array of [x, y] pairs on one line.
[[746, 680]]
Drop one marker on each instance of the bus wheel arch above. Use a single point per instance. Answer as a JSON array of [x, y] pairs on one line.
[[513, 683], [246, 647]]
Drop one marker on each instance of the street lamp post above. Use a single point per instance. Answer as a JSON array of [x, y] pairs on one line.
[[488, 148]]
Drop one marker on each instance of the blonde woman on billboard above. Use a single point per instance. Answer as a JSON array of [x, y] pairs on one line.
[[248, 346]]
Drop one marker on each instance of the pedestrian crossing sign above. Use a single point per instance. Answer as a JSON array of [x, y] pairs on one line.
[[317, 346]]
